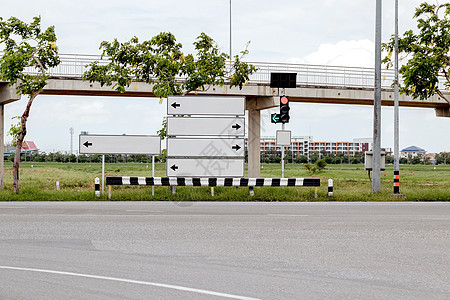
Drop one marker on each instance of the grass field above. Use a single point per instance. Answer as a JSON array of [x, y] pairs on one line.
[[351, 183]]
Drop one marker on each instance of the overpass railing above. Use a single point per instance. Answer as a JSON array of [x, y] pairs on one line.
[[74, 65]]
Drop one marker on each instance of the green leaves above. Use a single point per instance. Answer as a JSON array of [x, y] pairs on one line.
[[15, 130], [29, 53], [161, 62], [428, 52]]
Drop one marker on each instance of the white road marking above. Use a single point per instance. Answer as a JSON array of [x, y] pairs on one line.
[[286, 215], [156, 284], [143, 210], [13, 207]]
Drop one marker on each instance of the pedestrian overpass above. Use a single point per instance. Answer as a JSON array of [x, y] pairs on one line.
[[315, 84]]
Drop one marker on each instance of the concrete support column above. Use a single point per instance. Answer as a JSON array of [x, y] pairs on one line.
[[7, 94], [443, 112], [254, 137], [2, 144]]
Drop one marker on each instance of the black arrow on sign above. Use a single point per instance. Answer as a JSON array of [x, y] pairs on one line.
[[87, 144], [237, 126], [175, 105], [237, 147], [174, 167]]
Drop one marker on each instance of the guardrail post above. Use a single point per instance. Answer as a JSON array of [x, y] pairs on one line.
[[330, 187], [97, 186]]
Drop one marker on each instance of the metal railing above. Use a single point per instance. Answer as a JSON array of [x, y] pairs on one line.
[[74, 65]]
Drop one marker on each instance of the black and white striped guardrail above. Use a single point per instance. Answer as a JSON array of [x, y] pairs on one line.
[[182, 181]]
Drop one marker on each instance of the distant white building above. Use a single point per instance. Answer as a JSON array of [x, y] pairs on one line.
[[412, 151], [303, 145]]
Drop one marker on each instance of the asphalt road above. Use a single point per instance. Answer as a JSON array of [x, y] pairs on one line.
[[155, 250]]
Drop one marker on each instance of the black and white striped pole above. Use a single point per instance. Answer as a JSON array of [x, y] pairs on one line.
[[330, 187], [97, 186]]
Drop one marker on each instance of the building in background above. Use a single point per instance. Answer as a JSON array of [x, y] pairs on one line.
[[300, 145], [28, 147], [412, 151], [304, 145]]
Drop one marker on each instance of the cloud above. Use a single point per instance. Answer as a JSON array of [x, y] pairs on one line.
[[343, 53]]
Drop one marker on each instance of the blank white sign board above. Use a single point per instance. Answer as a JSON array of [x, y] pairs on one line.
[[205, 167], [120, 144], [206, 105], [205, 126], [283, 137], [198, 147]]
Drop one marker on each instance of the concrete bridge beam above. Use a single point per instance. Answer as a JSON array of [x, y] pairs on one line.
[[7, 94]]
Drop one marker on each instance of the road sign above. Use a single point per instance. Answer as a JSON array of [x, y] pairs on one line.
[[205, 167], [120, 144], [283, 138], [283, 80], [275, 118], [205, 105], [211, 147], [218, 126]]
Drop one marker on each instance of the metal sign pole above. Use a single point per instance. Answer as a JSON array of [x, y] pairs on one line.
[[153, 174], [103, 174]]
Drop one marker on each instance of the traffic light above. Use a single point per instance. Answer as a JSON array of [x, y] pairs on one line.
[[284, 109], [275, 118]]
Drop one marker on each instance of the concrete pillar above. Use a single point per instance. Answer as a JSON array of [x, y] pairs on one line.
[[254, 137], [443, 112], [7, 95], [2, 144]]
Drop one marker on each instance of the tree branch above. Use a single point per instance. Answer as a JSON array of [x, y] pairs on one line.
[[446, 75], [39, 63], [442, 95]]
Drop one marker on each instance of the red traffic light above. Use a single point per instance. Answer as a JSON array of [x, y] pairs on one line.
[[284, 100]]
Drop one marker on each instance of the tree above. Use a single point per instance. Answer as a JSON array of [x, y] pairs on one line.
[[429, 52], [443, 158], [318, 166], [161, 62], [29, 52]]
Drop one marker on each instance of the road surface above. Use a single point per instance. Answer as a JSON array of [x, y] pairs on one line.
[[168, 250]]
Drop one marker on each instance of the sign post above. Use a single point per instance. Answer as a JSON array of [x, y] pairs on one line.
[[283, 139], [103, 174], [153, 174]]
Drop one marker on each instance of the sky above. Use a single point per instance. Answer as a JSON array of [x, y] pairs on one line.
[[327, 32]]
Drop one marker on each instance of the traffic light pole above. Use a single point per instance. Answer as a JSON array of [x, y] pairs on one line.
[[282, 156], [282, 147]]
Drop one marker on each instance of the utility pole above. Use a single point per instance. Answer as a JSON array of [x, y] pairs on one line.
[[396, 107], [376, 180], [71, 139], [231, 57]]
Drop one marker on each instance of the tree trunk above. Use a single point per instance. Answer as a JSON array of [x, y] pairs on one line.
[[19, 143]]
